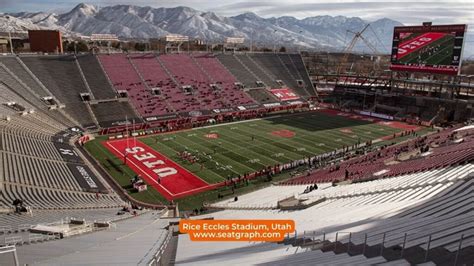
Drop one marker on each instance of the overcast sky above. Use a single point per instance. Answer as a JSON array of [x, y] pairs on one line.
[[405, 11]]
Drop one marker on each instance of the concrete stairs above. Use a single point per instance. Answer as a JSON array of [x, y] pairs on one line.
[[414, 255]]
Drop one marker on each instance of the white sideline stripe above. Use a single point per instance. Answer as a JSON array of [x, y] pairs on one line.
[[250, 120], [236, 122]]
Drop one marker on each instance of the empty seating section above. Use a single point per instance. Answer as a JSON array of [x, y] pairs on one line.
[[270, 81], [15, 66], [444, 152], [14, 85], [279, 70], [47, 216], [95, 77], [239, 71], [145, 232], [8, 96], [219, 74], [17, 86], [29, 146], [187, 73], [409, 187], [27, 123], [156, 77], [157, 85], [32, 167], [61, 77], [108, 113], [124, 77], [44, 198], [9, 128], [379, 214], [32, 171], [287, 61], [262, 95], [297, 61], [29, 113]]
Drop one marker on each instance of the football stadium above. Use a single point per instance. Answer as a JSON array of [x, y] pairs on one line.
[[170, 150]]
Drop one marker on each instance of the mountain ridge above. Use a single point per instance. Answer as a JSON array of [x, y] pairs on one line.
[[131, 21]]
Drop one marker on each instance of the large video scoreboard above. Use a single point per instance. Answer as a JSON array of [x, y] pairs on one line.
[[428, 48]]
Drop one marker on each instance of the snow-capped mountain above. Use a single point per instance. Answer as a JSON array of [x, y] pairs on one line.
[[128, 21]]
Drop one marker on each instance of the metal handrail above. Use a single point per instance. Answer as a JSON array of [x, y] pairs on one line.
[[156, 260], [12, 249]]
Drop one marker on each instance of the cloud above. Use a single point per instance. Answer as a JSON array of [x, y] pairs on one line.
[[4, 4], [409, 12], [405, 11]]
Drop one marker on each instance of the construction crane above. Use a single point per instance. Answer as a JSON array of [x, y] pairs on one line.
[[348, 50]]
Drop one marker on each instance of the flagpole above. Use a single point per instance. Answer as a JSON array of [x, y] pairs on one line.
[[126, 130], [134, 137]]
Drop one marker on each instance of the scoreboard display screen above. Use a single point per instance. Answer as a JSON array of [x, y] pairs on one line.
[[428, 48]]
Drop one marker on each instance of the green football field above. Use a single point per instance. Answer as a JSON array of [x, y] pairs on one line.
[[244, 147]]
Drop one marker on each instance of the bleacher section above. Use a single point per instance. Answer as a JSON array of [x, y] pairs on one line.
[[62, 78], [300, 70], [159, 86], [238, 70], [131, 240], [16, 84], [268, 68], [97, 81], [357, 223], [187, 73], [170, 97], [263, 76], [27, 123], [39, 166], [8, 96], [445, 149], [275, 66], [219, 75], [14, 64], [125, 78], [408, 187], [114, 113], [262, 95], [15, 223], [29, 146], [45, 198], [46, 174]]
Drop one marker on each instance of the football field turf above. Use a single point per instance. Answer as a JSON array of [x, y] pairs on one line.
[[234, 149]]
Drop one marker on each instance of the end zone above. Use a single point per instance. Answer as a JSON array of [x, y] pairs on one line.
[[166, 176]]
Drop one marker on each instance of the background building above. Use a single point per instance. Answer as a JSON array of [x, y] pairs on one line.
[[46, 41]]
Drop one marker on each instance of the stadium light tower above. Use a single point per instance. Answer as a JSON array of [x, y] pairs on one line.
[[299, 50], [274, 42], [11, 43], [10, 35], [251, 40]]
